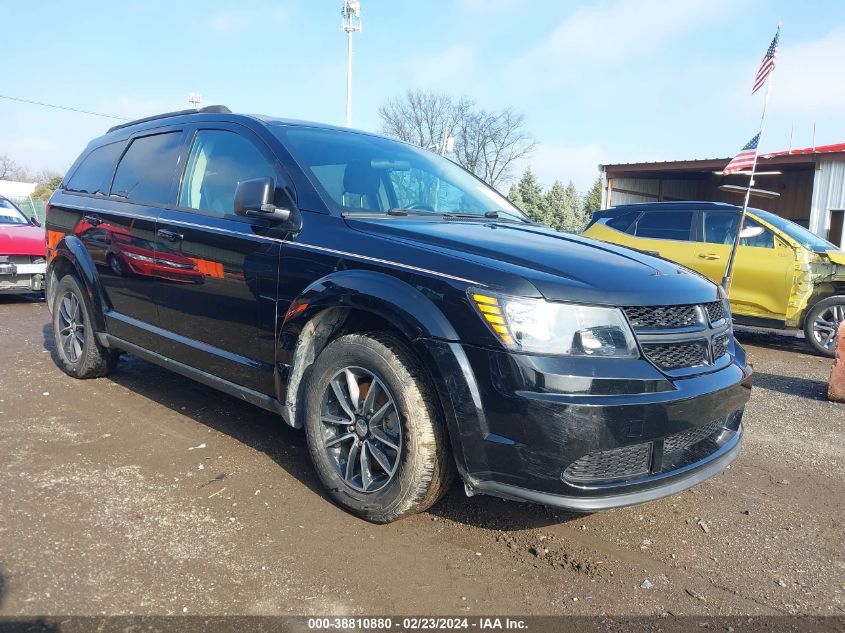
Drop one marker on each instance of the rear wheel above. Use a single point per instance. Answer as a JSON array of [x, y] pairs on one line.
[[822, 322], [80, 354], [374, 430]]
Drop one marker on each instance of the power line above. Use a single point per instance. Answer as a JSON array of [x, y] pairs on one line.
[[60, 107]]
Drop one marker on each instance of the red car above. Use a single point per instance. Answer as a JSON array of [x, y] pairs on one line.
[[127, 254], [23, 251]]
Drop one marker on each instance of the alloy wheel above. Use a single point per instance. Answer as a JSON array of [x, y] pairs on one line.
[[361, 429], [826, 324], [71, 327]]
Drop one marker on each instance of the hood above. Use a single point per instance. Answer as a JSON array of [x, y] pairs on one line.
[[560, 265], [22, 239], [837, 257]]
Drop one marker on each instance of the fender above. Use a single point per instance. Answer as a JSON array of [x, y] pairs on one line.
[[406, 308], [72, 249], [321, 308]]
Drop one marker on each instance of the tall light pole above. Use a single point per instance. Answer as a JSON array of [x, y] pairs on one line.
[[350, 23]]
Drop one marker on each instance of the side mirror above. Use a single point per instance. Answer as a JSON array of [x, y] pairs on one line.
[[750, 231], [35, 221], [254, 198]]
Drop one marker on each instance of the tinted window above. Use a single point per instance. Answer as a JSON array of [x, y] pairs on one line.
[[623, 221], [357, 171], [720, 228], [145, 173], [219, 161], [665, 225], [94, 173]]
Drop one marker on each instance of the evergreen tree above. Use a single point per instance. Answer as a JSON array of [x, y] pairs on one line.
[[592, 202], [528, 196], [573, 210]]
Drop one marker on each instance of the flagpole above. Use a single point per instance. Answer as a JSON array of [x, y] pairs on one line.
[[726, 280]]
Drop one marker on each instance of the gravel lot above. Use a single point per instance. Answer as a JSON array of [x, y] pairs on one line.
[[147, 493]]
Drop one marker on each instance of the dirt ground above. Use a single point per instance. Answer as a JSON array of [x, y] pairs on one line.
[[146, 493]]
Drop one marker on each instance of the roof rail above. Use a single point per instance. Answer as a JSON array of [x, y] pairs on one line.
[[213, 109]]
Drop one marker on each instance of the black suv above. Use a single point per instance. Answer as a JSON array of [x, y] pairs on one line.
[[406, 315]]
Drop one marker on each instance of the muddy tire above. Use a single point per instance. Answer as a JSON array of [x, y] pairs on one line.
[[821, 323], [374, 429], [79, 353]]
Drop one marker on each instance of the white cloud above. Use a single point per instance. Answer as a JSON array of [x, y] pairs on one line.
[[487, 5], [228, 21], [447, 70], [808, 79], [640, 27], [579, 164]]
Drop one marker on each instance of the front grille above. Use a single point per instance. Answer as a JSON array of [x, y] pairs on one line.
[[661, 316], [628, 462], [715, 311], [720, 346], [677, 355], [635, 462]]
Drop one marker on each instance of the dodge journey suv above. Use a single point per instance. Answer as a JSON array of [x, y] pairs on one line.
[[410, 319]]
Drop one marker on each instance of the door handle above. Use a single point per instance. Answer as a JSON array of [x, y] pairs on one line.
[[709, 256], [92, 219], [170, 236]]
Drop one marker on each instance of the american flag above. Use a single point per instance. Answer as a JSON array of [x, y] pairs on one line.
[[768, 63], [745, 158]]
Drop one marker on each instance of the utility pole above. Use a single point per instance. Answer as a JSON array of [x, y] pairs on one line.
[[350, 23], [195, 99]]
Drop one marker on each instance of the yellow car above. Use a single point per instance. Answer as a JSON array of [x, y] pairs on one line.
[[784, 276]]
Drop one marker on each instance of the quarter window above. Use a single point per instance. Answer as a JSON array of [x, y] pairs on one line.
[[95, 171], [145, 173], [623, 221], [219, 162], [665, 225]]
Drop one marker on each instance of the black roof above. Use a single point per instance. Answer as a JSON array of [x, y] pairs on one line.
[[215, 109], [689, 205]]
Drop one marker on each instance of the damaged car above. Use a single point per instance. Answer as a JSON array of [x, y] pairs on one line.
[[784, 276]]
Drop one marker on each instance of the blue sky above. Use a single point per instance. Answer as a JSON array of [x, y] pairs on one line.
[[600, 81]]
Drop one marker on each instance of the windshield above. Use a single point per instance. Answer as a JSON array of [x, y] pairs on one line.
[[10, 214], [808, 240], [364, 173]]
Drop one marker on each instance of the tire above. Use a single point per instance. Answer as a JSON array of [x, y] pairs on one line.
[[404, 444], [79, 353], [114, 265], [821, 323]]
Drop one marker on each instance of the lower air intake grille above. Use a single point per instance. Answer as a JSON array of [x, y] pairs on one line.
[[675, 355], [628, 462]]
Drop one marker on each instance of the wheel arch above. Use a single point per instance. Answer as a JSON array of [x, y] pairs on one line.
[[71, 257], [350, 301]]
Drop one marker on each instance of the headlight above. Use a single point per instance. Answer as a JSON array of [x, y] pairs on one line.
[[141, 258], [560, 329], [726, 305]]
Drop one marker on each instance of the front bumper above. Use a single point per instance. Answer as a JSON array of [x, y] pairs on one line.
[[588, 434], [21, 278]]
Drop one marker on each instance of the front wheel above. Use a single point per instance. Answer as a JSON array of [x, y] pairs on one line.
[[375, 432], [80, 354], [822, 322]]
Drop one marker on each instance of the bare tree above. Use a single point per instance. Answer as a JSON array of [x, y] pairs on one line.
[[10, 170], [486, 143]]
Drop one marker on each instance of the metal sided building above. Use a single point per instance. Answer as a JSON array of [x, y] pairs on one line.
[[811, 184]]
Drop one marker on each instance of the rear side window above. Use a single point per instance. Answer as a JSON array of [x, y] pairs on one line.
[[220, 160], [146, 171], [94, 173], [623, 221], [665, 225]]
